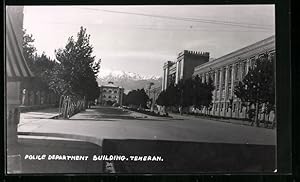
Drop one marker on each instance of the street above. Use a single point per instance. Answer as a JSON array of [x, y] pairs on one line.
[[178, 140], [114, 123]]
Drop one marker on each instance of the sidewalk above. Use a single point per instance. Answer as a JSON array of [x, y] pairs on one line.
[[26, 108], [33, 116], [233, 121]]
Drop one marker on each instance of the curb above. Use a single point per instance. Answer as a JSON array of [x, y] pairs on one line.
[[94, 140], [33, 108], [143, 115], [56, 116], [224, 121]]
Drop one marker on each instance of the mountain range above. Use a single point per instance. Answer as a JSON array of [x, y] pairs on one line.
[[128, 80]]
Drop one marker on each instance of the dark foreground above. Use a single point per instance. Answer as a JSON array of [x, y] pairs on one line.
[[190, 157], [59, 147], [147, 156]]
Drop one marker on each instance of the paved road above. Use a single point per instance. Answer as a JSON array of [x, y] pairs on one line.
[[114, 123]]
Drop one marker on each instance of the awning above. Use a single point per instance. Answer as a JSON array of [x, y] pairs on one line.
[[16, 66]]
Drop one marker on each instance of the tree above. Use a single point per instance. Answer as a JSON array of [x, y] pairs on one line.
[[189, 92], [137, 98], [124, 100], [162, 99], [172, 95], [258, 86], [40, 65], [77, 72], [29, 50], [202, 93]]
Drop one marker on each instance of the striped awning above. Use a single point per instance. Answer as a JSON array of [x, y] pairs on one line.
[[16, 66]]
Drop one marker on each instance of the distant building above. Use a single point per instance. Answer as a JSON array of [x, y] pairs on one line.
[[183, 67], [110, 94]]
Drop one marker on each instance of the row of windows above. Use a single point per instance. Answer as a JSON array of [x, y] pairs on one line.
[[110, 91], [241, 67], [226, 107], [240, 71], [110, 96]]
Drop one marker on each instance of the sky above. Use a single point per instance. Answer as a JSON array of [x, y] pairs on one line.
[[140, 39]]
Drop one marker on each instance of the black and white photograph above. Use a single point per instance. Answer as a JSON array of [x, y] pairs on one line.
[[140, 89]]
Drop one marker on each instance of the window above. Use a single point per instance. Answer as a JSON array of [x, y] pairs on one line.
[[271, 54], [104, 96], [261, 56], [228, 91], [115, 91], [252, 62], [238, 106], [223, 77], [244, 63], [109, 91], [202, 78], [218, 79], [229, 74], [211, 76], [109, 96], [223, 93]]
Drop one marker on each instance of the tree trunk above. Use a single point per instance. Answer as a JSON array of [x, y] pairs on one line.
[[256, 115], [265, 121], [274, 121], [180, 110]]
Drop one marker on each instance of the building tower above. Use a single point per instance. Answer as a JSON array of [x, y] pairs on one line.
[[183, 67]]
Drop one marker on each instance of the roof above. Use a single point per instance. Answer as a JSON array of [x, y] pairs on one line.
[[110, 84], [16, 66], [250, 50]]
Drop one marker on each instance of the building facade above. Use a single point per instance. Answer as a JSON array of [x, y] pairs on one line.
[[226, 72], [110, 94], [17, 71], [183, 67]]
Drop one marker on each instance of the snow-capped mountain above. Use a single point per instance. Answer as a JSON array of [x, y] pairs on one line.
[[128, 80], [124, 75]]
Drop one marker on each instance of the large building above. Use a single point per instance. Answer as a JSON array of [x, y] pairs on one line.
[[17, 71], [226, 72], [110, 94]]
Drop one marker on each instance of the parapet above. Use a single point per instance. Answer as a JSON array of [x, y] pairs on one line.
[[195, 53], [168, 64]]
